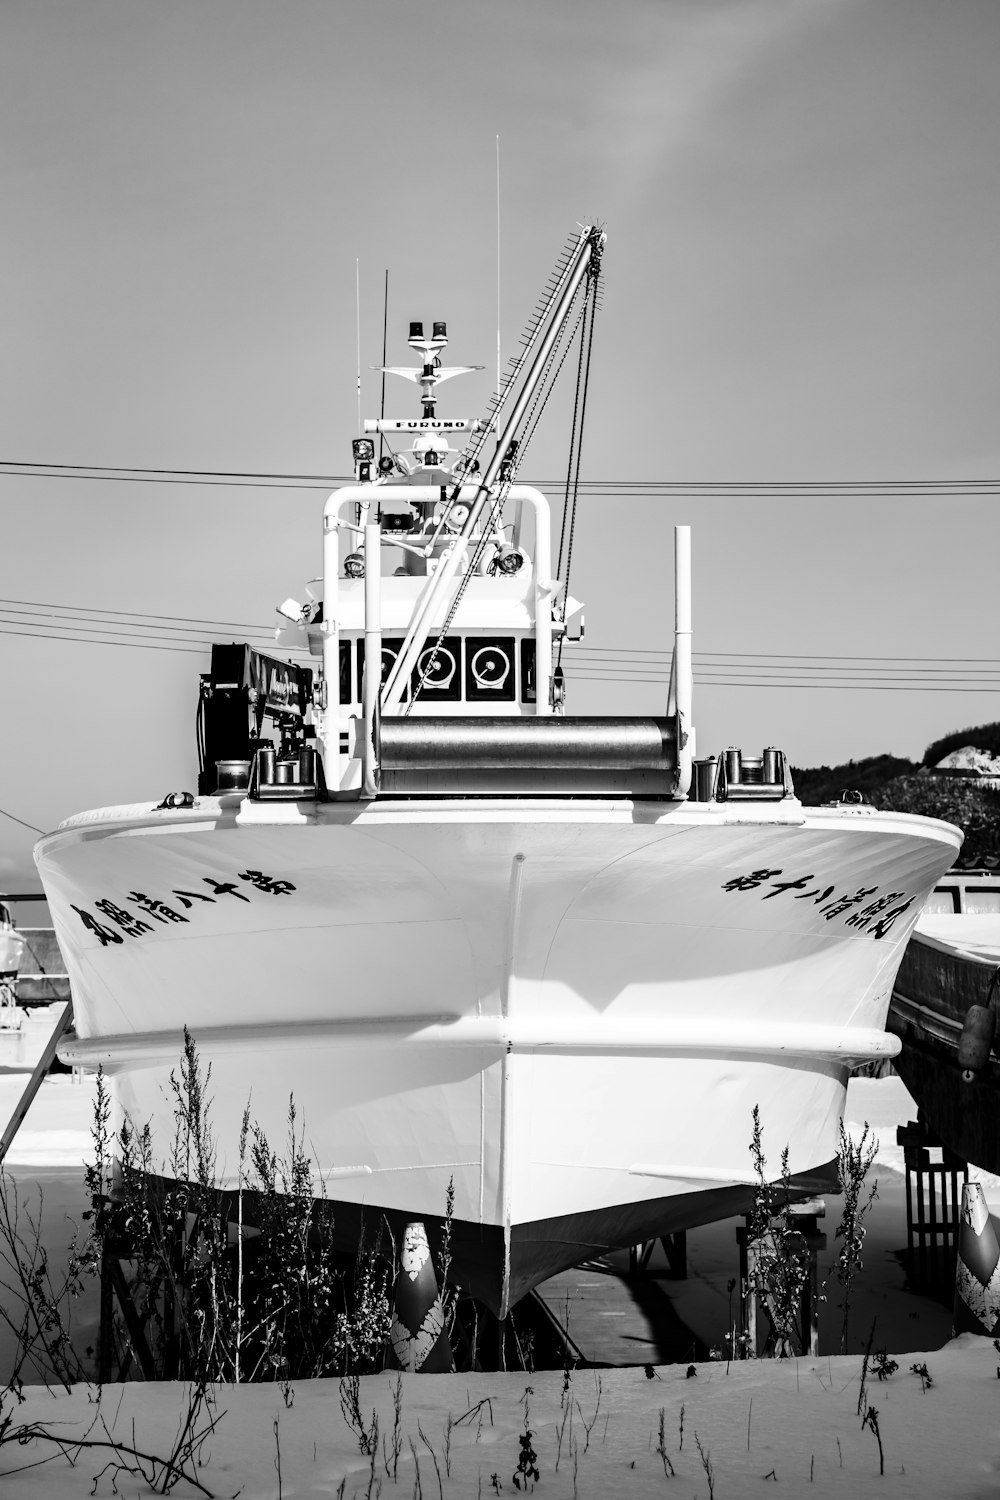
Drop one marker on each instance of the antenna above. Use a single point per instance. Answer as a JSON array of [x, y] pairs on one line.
[[357, 307], [498, 265], [385, 336]]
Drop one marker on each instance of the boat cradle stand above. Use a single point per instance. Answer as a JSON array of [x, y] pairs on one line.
[[933, 1204], [805, 1217], [674, 1248]]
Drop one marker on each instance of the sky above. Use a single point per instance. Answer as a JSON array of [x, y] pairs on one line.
[[802, 202]]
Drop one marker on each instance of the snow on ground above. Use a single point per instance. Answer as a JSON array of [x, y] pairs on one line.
[[793, 1423], [56, 1129]]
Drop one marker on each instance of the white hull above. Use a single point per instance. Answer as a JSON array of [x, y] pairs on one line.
[[558, 1005]]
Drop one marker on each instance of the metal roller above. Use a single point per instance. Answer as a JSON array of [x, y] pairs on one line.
[[429, 744]]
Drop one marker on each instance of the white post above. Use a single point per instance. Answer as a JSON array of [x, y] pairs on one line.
[[329, 729], [543, 601], [683, 674], [373, 657]]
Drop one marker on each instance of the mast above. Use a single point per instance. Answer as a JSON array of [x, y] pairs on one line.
[[590, 246]]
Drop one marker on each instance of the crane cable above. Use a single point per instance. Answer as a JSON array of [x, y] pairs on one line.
[[549, 377], [576, 451], [508, 473]]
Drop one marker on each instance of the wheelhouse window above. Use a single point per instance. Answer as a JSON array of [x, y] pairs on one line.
[[942, 901], [346, 696], [441, 671], [479, 669], [981, 899], [528, 669], [391, 647], [489, 669]]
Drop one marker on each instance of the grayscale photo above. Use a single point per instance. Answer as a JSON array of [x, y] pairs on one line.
[[500, 782]]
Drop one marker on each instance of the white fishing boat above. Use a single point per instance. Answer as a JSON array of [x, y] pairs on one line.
[[17, 1040], [26, 1026], [552, 960], [945, 1005]]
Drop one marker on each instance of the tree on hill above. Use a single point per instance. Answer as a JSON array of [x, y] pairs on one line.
[[825, 783], [955, 799], [898, 785], [983, 737]]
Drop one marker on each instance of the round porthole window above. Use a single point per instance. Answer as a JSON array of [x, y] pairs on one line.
[[437, 671], [490, 667]]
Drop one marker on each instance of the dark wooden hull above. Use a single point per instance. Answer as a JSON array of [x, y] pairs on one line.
[[934, 989]]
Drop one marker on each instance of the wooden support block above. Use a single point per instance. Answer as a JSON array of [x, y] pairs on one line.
[[933, 1204], [805, 1217]]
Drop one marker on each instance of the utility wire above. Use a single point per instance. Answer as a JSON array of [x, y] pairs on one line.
[[132, 645], [708, 674], [107, 477], [615, 488], [829, 687], [138, 469], [77, 630], [192, 648], [23, 824], [624, 676], [87, 623], [579, 650], [92, 610], [777, 669], [758, 484], [781, 655]]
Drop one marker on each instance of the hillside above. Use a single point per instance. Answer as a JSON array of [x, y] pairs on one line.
[[819, 784], [890, 782]]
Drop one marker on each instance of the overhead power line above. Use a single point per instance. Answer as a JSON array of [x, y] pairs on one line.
[[235, 479], [87, 609], [625, 676], [779, 655], [853, 665], [613, 488], [179, 633], [831, 687], [192, 648], [134, 645], [773, 680], [580, 650], [193, 635], [708, 674], [86, 624]]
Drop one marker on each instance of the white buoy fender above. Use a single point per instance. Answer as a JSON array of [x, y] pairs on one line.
[[977, 1270], [976, 1041], [418, 1338]]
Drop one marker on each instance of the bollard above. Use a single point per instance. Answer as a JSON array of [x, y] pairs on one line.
[[418, 1338], [977, 1270]]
